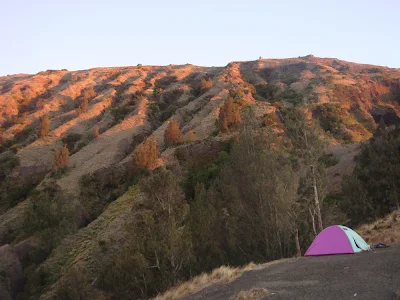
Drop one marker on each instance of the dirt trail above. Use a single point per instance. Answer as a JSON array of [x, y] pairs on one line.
[[368, 275]]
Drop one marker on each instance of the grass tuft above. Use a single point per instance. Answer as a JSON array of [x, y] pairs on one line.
[[252, 294], [220, 275]]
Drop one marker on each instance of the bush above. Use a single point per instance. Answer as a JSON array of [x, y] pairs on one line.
[[146, 154], [70, 141], [330, 117], [199, 88], [229, 115], [96, 131], [83, 106], [51, 216], [88, 93], [165, 82], [173, 135], [61, 158], [44, 125], [119, 113], [266, 92], [329, 160], [191, 137]]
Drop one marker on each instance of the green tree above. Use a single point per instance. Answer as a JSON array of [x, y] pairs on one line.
[[158, 253], [309, 147], [374, 187], [252, 202], [206, 222]]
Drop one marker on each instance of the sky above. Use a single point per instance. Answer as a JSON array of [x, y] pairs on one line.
[[37, 35]]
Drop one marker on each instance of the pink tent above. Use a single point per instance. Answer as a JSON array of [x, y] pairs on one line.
[[337, 239]]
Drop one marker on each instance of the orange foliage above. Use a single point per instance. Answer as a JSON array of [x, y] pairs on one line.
[[146, 154], [61, 158], [172, 134], [229, 115]]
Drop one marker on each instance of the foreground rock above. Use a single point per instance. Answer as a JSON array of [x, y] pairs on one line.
[[368, 275]]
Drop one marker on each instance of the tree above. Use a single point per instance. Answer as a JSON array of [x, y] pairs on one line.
[[260, 189], [44, 125], [146, 154], [374, 187], [229, 115], [173, 135], [252, 203], [206, 221], [309, 147], [61, 158], [158, 252]]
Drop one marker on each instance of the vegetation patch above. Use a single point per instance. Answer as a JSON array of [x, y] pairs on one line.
[[220, 275], [252, 294]]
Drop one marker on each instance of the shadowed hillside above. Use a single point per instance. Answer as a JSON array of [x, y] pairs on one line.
[[75, 145]]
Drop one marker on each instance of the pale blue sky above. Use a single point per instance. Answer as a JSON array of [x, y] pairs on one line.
[[79, 34]]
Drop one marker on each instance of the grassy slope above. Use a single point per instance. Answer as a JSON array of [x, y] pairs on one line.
[[90, 248]]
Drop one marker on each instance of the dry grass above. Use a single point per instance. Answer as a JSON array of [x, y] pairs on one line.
[[252, 294], [221, 275], [385, 230]]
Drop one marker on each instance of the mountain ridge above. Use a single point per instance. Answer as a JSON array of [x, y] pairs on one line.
[[102, 115]]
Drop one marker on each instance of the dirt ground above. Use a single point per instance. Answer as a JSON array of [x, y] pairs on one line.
[[368, 275]]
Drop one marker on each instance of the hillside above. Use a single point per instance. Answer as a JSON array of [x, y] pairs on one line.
[[103, 115]]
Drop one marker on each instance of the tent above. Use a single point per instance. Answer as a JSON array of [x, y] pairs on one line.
[[337, 239]]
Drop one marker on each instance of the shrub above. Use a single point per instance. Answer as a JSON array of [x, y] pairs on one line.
[[83, 106], [70, 140], [267, 92], [61, 158], [173, 135], [191, 136], [331, 118], [229, 115], [146, 154], [51, 216], [88, 93], [96, 131], [119, 113], [44, 125], [199, 88], [329, 160], [206, 84], [165, 82], [291, 96]]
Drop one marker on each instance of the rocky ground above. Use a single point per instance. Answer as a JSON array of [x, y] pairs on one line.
[[368, 275]]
